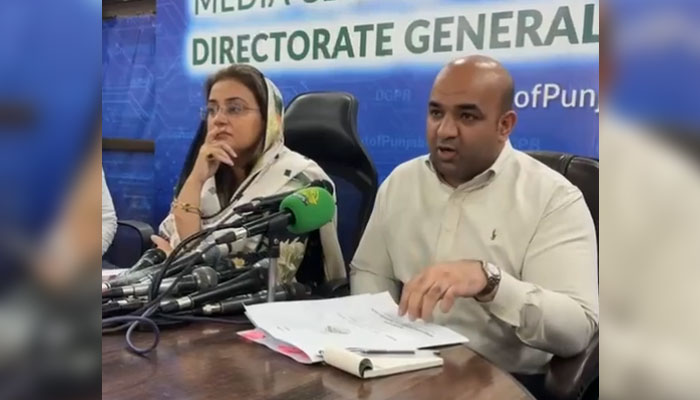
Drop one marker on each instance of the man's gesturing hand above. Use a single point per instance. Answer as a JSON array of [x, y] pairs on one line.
[[442, 282]]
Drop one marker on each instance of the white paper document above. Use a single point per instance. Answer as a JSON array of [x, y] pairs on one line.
[[368, 321]]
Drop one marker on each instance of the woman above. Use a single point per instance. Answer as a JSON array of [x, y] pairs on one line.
[[239, 156]]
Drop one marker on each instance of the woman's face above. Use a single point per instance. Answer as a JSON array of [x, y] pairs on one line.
[[233, 116]]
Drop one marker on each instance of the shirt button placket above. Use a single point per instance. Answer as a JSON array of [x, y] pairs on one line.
[[448, 227]]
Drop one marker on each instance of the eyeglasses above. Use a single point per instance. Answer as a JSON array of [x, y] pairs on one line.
[[231, 111]]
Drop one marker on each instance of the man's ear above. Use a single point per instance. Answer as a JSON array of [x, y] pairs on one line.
[[506, 124]]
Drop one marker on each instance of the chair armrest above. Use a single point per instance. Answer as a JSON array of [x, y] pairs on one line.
[[569, 378], [132, 239], [334, 288], [143, 229]]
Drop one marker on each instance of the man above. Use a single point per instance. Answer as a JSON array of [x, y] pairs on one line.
[[503, 244]]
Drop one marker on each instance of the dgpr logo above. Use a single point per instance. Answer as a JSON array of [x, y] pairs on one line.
[[393, 95]]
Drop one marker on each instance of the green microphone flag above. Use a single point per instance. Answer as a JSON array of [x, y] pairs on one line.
[[312, 208]]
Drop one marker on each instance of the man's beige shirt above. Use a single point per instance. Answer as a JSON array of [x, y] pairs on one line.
[[518, 215]]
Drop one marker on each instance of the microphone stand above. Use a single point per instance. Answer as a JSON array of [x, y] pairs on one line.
[[276, 228]]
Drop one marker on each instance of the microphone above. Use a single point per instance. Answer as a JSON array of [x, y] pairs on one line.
[[249, 282], [129, 278], [146, 275], [149, 258], [220, 251], [302, 211], [143, 276], [236, 305], [271, 202], [205, 253], [201, 278], [308, 209], [121, 306]]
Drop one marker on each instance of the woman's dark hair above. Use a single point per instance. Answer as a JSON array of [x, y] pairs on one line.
[[254, 80]]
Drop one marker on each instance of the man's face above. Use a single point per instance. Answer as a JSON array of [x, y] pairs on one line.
[[464, 129]]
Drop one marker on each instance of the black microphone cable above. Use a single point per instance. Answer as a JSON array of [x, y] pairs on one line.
[[194, 318], [143, 315], [130, 322], [147, 311], [155, 298]]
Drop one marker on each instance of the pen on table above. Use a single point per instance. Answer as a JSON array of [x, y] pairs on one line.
[[386, 351]]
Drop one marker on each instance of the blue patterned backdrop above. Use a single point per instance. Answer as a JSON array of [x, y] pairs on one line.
[[151, 91], [128, 103]]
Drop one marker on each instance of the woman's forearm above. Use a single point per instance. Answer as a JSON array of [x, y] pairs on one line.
[[188, 222]]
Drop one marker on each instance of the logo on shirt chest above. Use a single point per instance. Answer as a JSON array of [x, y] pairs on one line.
[[493, 235]]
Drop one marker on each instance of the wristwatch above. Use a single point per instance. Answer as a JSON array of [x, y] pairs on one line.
[[493, 278]]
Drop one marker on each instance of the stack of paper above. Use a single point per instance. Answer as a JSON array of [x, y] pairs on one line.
[[368, 321]]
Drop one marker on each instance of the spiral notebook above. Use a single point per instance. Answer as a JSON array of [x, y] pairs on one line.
[[372, 366]]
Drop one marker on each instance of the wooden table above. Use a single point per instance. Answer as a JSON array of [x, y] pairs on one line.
[[209, 361]]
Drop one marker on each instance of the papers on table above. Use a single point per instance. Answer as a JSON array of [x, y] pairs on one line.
[[260, 337], [367, 321]]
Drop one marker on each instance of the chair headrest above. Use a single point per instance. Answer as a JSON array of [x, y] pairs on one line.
[[321, 125]]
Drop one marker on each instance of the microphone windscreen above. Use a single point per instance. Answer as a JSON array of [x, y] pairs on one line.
[[311, 207], [155, 255]]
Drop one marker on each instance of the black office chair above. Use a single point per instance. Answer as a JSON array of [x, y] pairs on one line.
[[133, 237], [323, 127], [581, 171], [575, 378], [131, 240]]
